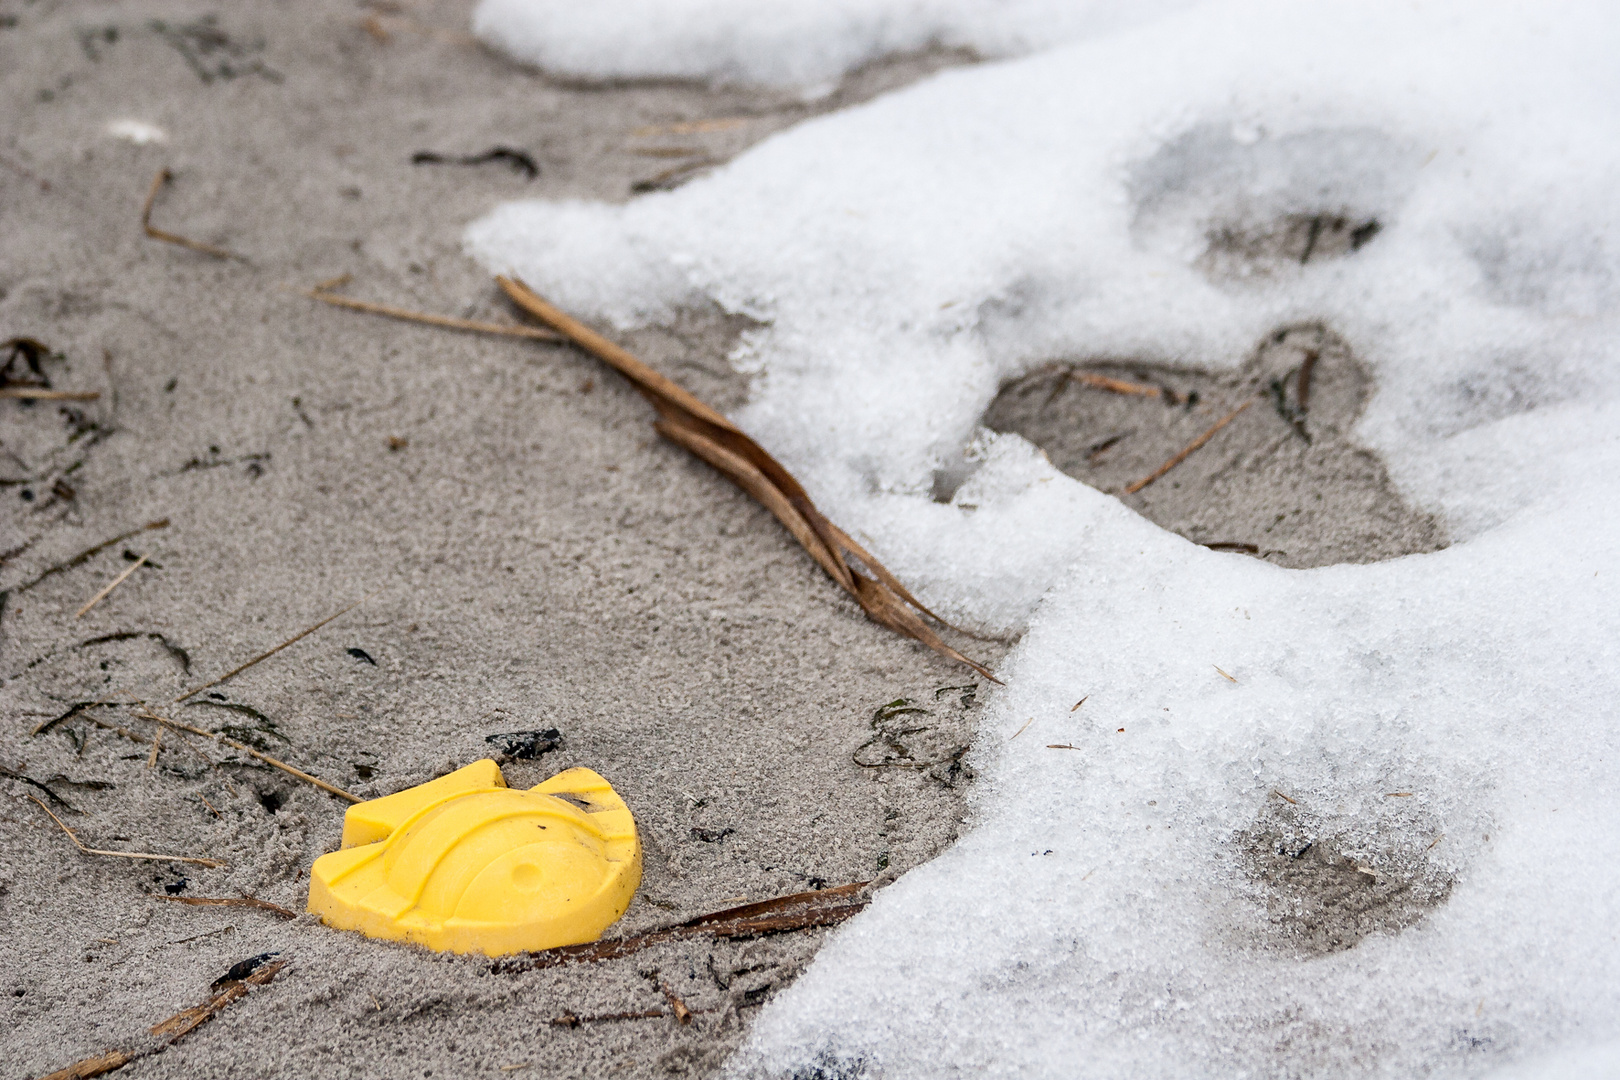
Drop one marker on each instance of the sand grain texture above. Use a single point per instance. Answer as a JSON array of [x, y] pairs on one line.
[[540, 558]]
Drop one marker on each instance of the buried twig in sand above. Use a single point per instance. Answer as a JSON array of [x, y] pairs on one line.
[[687, 421], [162, 178], [274, 763], [123, 854], [111, 585], [35, 393], [797, 911], [301, 635], [231, 901], [1187, 451], [89, 553], [173, 1029], [1120, 386], [323, 292]]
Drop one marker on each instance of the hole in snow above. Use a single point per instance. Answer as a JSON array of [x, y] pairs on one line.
[[1284, 481], [1325, 887], [1247, 204]]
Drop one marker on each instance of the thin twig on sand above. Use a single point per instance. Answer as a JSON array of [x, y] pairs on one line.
[[798, 911], [89, 553], [690, 423], [162, 178], [1120, 386], [175, 1027], [35, 393], [231, 901], [111, 585], [270, 652], [122, 854], [246, 749], [1186, 451], [322, 293], [184, 1023]]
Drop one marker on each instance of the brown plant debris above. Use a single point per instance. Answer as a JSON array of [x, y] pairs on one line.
[[111, 585], [235, 671], [573, 1020], [94, 1066], [122, 854], [89, 553], [251, 752], [693, 127], [40, 784], [797, 911], [1120, 386], [688, 422], [517, 159], [31, 393], [163, 177], [186, 1021], [231, 901], [683, 1015], [323, 293], [1188, 450], [673, 176]]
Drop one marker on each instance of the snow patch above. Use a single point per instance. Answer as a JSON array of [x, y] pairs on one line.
[[1440, 725]]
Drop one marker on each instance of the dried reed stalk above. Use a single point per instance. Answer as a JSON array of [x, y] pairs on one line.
[[798, 911], [688, 422], [185, 1022]]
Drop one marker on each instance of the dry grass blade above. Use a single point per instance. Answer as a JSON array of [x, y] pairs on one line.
[[89, 553], [301, 635], [162, 178], [683, 1015], [1186, 451], [175, 1028], [690, 423], [1119, 386], [111, 585], [122, 854], [322, 293], [34, 393], [799, 911], [231, 901], [185, 1022], [93, 1066], [246, 749]]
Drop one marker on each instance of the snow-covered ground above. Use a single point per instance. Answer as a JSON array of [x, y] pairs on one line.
[[1444, 720]]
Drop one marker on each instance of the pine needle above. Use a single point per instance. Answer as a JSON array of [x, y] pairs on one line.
[[122, 854], [1187, 451], [163, 177], [246, 749], [231, 901], [111, 585], [271, 652], [322, 293]]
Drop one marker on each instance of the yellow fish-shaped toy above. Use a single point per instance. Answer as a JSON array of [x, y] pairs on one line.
[[466, 864]]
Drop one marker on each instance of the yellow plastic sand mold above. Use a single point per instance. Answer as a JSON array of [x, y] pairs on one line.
[[465, 864]]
